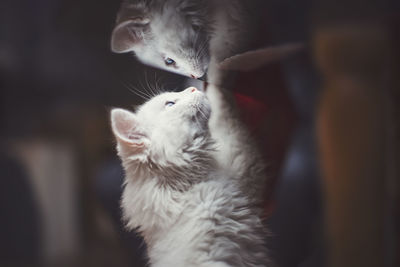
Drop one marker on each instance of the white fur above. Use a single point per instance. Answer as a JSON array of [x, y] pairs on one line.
[[237, 153], [191, 210]]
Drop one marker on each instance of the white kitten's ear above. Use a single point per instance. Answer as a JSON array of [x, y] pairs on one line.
[[255, 59], [126, 129], [127, 34]]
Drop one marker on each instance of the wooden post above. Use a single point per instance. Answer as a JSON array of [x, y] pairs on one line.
[[352, 128]]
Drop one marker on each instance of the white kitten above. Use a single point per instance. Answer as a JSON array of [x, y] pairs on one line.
[[191, 210]]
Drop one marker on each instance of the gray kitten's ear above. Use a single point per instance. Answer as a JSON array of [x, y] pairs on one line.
[[128, 33], [125, 128], [255, 59]]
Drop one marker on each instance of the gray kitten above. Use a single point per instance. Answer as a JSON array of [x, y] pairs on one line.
[[182, 36]]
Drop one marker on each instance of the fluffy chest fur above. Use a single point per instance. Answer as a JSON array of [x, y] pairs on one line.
[[209, 225], [191, 210]]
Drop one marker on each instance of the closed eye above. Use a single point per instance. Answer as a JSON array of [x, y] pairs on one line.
[[169, 103]]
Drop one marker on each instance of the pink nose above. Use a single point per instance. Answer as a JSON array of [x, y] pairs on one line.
[[193, 90], [194, 77]]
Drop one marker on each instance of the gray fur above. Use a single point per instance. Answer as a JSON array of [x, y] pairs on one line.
[[196, 34]]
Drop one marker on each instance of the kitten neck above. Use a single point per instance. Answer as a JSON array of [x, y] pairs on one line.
[[197, 161]]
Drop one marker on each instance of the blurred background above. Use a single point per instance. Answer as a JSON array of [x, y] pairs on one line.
[[61, 179]]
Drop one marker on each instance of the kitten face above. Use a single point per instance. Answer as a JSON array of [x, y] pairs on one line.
[[183, 51], [167, 35], [163, 128]]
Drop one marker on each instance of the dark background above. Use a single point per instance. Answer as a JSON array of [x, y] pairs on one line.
[[61, 180]]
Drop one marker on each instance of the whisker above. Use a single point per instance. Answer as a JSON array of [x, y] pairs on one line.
[[150, 88], [156, 87], [160, 88], [131, 89], [146, 80], [138, 93], [145, 89]]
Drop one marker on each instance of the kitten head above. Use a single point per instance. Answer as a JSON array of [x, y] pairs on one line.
[[171, 35], [166, 131]]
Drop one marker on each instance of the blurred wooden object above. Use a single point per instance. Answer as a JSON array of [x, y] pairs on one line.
[[357, 144], [52, 169]]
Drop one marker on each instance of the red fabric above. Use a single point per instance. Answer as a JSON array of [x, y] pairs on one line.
[[266, 109]]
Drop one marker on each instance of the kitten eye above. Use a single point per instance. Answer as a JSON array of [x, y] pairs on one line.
[[169, 103], [169, 61]]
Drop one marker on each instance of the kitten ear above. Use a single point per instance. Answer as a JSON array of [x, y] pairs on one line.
[[125, 128], [127, 34]]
